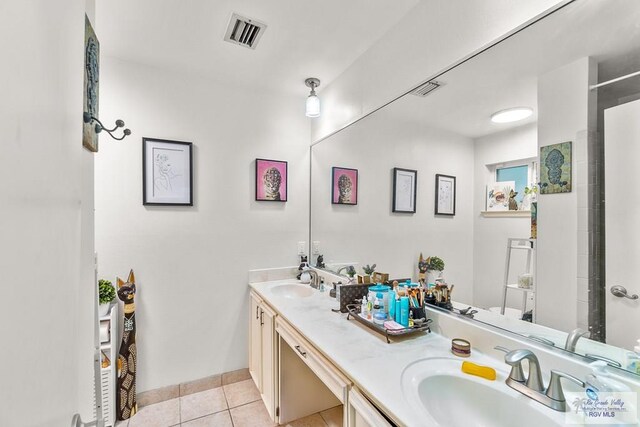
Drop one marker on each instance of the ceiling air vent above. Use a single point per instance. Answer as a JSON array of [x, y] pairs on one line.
[[426, 88], [244, 31]]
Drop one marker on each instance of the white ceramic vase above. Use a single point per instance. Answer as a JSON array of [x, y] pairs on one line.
[[432, 275], [103, 309]]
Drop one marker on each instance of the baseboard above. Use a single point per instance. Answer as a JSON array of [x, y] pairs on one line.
[[161, 394]]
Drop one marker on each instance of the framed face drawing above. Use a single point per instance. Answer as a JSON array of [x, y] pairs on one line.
[[167, 173], [404, 190], [445, 195], [271, 180], [344, 186]]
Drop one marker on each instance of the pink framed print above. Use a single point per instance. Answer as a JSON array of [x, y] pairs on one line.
[[271, 180], [344, 186]]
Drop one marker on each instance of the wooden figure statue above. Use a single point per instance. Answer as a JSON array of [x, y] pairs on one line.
[[127, 357], [513, 205], [422, 268]]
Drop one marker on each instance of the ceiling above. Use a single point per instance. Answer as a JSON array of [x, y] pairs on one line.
[[506, 75], [303, 38]]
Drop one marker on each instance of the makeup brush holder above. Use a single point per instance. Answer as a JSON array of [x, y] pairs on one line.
[[418, 312]]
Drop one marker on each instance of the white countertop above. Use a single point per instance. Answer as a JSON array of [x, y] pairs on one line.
[[364, 356]]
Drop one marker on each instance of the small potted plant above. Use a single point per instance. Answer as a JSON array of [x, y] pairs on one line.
[[530, 196], [351, 272], [369, 270], [106, 294], [435, 266]]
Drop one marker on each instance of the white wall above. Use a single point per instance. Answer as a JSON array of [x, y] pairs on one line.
[[46, 219], [432, 36], [566, 112], [490, 233], [369, 232], [191, 263]]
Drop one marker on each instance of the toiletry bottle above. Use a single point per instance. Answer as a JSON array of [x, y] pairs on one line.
[[397, 310], [392, 305], [363, 306], [338, 286], [410, 319], [379, 316], [599, 381], [404, 311], [376, 310]]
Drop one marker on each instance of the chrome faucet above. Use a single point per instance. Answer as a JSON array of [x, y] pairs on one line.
[[341, 269], [534, 379], [572, 339], [315, 279], [533, 386]]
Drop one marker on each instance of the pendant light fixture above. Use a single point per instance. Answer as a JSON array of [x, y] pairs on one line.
[[313, 102]]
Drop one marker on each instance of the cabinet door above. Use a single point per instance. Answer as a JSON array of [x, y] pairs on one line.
[[362, 413], [255, 342], [268, 359]]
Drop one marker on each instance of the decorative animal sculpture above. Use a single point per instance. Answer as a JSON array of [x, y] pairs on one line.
[[303, 263], [320, 262], [422, 268], [513, 205], [128, 355]]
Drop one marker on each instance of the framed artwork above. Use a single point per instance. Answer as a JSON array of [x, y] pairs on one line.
[[344, 186], [555, 168], [498, 195], [271, 180], [167, 172], [404, 190], [445, 195], [91, 85]]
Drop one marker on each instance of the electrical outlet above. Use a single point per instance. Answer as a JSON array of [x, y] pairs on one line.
[[316, 247], [301, 248]]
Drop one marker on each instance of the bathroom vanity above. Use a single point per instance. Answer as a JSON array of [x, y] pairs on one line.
[[306, 358]]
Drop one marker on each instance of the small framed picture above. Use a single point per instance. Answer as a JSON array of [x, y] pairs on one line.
[[404, 190], [271, 180], [445, 195], [344, 186], [167, 173]]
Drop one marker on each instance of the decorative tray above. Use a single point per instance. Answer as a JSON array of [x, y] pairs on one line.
[[354, 312]]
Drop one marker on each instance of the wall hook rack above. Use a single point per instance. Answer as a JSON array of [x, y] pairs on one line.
[[88, 118]]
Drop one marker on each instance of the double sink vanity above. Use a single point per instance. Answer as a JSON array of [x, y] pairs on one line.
[[306, 358]]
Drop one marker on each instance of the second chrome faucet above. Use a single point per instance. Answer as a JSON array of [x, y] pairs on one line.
[[532, 385]]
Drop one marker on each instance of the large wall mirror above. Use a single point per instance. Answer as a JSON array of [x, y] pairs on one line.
[[565, 287]]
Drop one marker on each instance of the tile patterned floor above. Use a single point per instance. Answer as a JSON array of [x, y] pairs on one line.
[[232, 405]]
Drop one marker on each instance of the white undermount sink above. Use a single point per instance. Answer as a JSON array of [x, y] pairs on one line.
[[292, 290], [442, 395]]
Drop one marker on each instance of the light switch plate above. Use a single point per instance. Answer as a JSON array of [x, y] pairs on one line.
[[301, 250], [316, 247]]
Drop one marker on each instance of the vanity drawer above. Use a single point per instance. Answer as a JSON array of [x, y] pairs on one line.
[[326, 372]]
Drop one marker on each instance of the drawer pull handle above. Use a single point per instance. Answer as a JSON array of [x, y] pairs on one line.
[[261, 317], [257, 308], [302, 353]]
